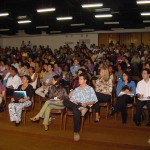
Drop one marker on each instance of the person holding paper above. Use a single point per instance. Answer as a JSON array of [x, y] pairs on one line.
[[143, 94], [56, 95], [15, 109], [126, 90]]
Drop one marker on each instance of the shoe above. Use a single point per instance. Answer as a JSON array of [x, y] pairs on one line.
[[148, 124], [111, 111], [96, 121], [76, 136], [83, 111], [46, 127], [137, 123], [35, 120], [17, 124]]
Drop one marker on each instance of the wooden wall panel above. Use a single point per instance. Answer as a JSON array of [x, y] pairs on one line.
[[125, 38], [103, 39], [136, 38], [146, 38], [106, 38]]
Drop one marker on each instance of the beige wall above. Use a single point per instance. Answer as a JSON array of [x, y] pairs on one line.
[[54, 41], [1, 42]]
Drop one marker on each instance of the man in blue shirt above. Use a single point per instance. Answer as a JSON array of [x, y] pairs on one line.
[[83, 97]]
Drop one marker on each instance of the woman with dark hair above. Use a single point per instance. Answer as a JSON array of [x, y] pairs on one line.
[[15, 108], [126, 89], [56, 95]]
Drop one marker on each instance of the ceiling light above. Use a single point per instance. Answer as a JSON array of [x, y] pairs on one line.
[[64, 18], [77, 24], [4, 29], [103, 16], [45, 10], [117, 28], [21, 17], [24, 21], [87, 30], [102, 10], [145, 14], [41, 27], [4, 14], [92, 5], [111, 22], [55, 31], [146, 21], [143, 2]]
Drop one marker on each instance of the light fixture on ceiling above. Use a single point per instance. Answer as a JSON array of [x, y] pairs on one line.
[[143, 2], [4, 29], [102, 10], [117, 28], [64, 18], [55, 31], [4, 14], [45, 10], [24, 21], [87, 30], [77, 24], [111, 22], [42, 27], [92, 5], [145, 14], [103, 16], [21, 17], [146, 21]]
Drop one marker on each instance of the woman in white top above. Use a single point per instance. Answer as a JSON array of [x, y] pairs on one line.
[[33, 77]]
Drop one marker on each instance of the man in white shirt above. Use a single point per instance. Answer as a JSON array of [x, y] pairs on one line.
[[143, 94], [13, 82]]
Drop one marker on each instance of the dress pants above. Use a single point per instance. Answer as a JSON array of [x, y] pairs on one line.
[[121, 105], [76, 113], [102, 98], [139, 106], [46, 109]]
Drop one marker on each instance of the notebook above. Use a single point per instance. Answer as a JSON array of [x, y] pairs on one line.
[[23, 93]]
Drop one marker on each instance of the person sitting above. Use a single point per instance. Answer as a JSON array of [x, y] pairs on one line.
[[82, 98], [41, 91], [103, 88], [15, 109], [56, 95], [2, 90], [143, 94], [13, 82], [33, 77], [75, 67], [126, 90]]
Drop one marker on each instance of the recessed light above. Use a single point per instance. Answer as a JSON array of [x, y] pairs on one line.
[[24, 21], [103, 16], [45, 10], [64, 18], [92, 5]]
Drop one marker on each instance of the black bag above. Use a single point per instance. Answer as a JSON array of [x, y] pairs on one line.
[[126, 88], [17, 97]]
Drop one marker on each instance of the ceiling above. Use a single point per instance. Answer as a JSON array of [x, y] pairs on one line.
[[126, 12]]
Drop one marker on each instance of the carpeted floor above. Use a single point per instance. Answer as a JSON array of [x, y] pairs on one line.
[[108, 134]]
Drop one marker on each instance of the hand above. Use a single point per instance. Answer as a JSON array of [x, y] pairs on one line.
[[10, 87], [75, 101], [21, 100], [84, 104], [12, 99], [141, 96]]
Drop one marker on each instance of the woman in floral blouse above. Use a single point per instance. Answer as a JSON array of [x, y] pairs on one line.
[[103, 89]]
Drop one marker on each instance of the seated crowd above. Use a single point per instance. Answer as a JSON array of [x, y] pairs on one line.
[[78, 79]]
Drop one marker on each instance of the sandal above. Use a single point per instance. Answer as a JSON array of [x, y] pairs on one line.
[[46, 127], [34, 119]]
